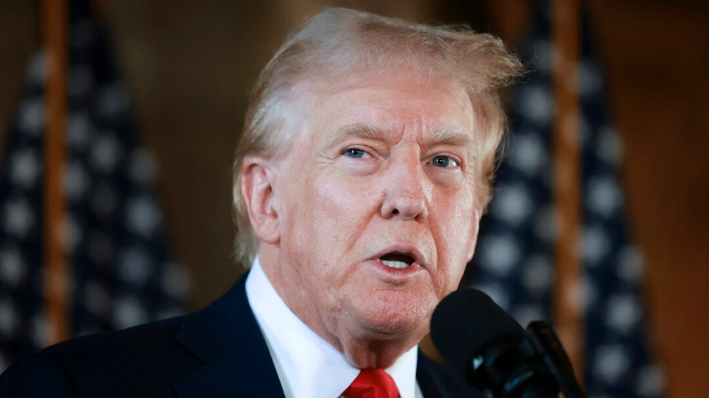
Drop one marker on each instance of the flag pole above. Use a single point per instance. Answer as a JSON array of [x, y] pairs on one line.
[[567, 310], [54, 24]]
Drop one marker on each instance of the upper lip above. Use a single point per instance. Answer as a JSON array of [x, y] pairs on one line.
[[403, 248]]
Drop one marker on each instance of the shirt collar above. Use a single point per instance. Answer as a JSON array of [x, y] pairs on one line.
[[307, 365]]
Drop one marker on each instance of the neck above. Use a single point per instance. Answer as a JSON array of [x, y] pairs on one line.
[[371, 353]]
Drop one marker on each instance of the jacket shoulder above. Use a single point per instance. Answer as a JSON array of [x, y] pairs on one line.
[[146, 360], [37, 376], [121, 362]]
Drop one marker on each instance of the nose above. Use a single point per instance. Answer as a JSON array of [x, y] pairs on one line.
[[406, 192]]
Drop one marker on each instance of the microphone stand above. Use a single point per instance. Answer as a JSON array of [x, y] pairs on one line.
[[538, 367]]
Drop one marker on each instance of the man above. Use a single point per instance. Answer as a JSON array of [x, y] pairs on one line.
[[363, 169]]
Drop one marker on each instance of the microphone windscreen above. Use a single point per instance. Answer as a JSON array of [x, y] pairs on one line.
[[466, 323]]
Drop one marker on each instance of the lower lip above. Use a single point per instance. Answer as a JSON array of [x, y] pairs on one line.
[[397, 273]]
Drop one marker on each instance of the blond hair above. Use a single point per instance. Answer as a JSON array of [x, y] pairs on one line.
[[340, 42]]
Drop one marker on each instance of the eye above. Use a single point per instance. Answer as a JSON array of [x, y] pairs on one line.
[[355, 153], [443, 162]]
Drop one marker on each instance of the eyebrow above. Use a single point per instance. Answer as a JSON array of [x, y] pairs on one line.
[[449, 135], [356, 130]]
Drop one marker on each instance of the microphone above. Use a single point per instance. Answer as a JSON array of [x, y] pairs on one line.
[[492, 352]]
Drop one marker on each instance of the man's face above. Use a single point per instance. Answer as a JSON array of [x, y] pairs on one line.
[[376, 205]]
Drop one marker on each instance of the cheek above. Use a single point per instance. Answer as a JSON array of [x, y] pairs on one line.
[[344, 205], [455, 216], [455, 232], [327, 217]]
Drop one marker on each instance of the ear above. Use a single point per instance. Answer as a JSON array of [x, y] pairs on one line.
[[258, 178]]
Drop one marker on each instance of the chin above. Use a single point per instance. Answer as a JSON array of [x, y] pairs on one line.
[[394, 317]]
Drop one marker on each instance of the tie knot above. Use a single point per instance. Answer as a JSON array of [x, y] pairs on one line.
[[372, 383]]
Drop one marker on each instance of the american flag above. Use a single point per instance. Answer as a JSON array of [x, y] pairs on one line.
[[515, 259], [122, 273]]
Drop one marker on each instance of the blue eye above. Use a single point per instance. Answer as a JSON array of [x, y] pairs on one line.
[[355, 153], [443, 161]]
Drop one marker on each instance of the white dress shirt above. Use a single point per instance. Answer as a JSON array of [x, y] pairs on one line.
[[307, 365]]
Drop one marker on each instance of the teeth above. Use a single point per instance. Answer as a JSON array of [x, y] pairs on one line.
[[394, 264]]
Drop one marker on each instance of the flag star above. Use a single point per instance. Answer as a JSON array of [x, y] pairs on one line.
[[96, 299], [651, 381], [499, 253], [25, 167], [71, 233], [9, 321], [31, 116], [79, 130], [590, 82], [595, 244], [142, 167], [535, 103], [609, 146], [528, 155], [604, 195], [19, 218], [128, 312], [76, 181], [611, 362], [106, 152], [543, 51], [175, 281], [623, 313], [545, 223], [40, 337], [37, 68], [135, 265], [12, 266], [113, 101], [143, 215], [538, 274], [588, 292], [513, 204], [631, 264]]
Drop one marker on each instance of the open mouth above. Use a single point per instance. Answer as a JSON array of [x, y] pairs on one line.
[[397, 260]]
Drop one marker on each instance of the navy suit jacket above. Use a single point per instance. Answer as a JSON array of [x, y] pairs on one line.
[[216, 352]]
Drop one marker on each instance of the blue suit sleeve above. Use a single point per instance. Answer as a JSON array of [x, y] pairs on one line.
[[37, 376]]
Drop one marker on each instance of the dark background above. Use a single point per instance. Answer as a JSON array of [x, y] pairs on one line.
[[189, 66]]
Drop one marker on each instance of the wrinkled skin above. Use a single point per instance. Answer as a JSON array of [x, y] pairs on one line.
[[383, 166]]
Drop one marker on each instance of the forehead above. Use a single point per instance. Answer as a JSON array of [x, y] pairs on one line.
[[391, 103]]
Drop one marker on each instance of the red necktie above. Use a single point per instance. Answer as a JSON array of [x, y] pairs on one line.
[[372, 383]]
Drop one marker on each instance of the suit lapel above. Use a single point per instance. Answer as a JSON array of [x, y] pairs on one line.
[[227, 338], [429, 384]]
